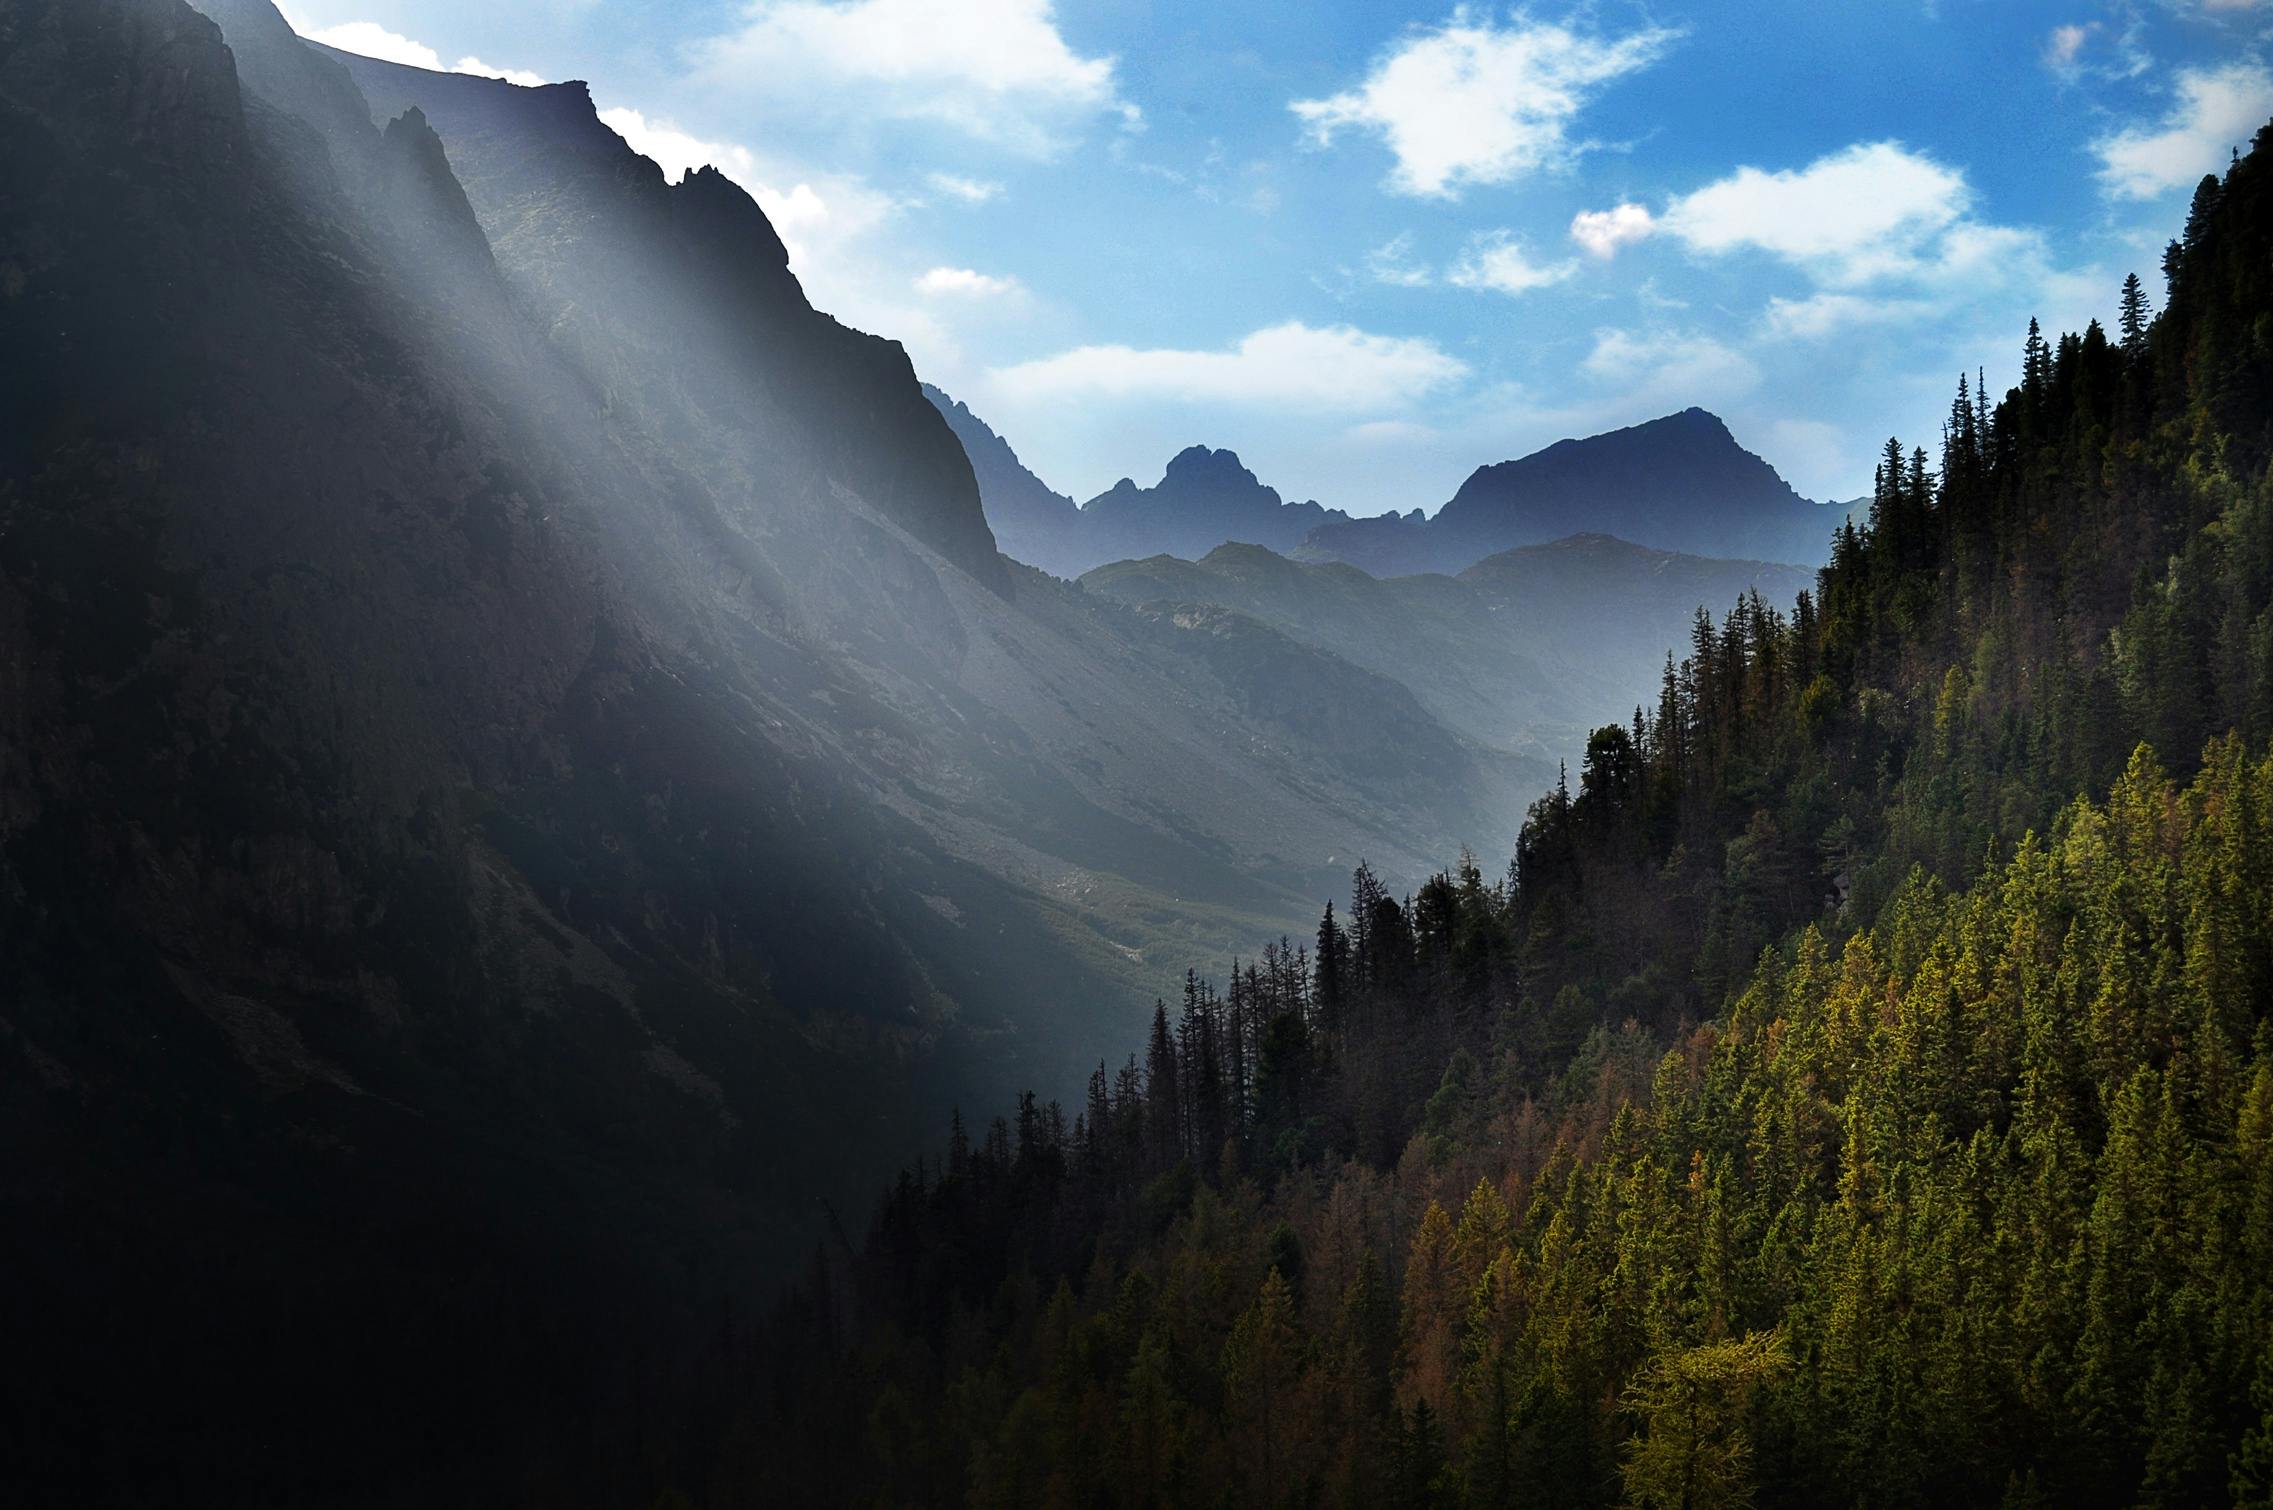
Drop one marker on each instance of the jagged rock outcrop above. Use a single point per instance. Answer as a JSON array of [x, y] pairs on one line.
[[1204, 499]]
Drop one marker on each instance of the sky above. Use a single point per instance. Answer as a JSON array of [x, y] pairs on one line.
[[1373, 246]]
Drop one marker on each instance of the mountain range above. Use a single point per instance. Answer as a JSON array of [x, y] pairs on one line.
[[1680, 483], [1204, 499]]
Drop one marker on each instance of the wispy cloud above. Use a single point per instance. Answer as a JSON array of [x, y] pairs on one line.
[[1392, 263], [1825, 314], [968, 190], [964, 283], [2065, 43], [1471, 102], [1496, 260], [1335, 369], [1671, 368]]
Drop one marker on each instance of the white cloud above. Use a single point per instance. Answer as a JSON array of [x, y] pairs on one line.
[[1669, 367], [998, 70], [968, 190], [1873, 210], [1603, 232], [1471, 102], [964, 283], [371, 40], [2061, 48], [1295, 366], [2217, 109], [1392, 263], [1495, 260]]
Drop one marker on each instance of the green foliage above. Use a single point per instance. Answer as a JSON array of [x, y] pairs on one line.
[[1837, 1107]]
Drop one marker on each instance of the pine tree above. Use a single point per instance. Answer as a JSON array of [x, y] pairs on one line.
[[2133, 317]]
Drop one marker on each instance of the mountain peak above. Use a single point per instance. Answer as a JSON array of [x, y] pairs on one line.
[[1680, 482], [1199, 464]]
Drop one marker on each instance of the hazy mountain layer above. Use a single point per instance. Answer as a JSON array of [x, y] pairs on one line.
[[1527, 650]]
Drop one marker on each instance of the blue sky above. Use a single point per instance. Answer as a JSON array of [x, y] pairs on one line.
[[1371, 247]]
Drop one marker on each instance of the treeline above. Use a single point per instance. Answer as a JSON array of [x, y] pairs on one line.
[[1829, 1105]]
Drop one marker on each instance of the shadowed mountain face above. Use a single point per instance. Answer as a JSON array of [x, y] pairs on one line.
[[1528, 650], [1680, 483], [522, 774], [1205, 499]]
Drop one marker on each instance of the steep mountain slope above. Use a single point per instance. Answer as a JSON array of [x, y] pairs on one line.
[[1527, 650], [1680, 483], [1206, 498], [511, 722], [1832, 1107]]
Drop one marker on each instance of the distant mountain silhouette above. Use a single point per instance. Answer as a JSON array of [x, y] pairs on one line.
[[1680, 483], [1206, 498]]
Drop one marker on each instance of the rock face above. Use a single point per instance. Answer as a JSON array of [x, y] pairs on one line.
[[522, 776], [1680, 483], [1206, 498]]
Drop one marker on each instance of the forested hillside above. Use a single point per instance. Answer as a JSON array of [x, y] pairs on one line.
[[1858, 1090]]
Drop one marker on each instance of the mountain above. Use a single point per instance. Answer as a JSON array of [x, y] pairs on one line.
[[1206, 498], [1527, 650], [1858, 1092], [1203, 500], [1032, 523], [1680, 483], [524, 780]]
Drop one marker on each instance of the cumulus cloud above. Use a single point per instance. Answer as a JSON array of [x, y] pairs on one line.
[[2217, 109], [1496, 260], [1603, 232], [964, 283], [1334, 369], [999, 70], [1472, 102], [371, 40], [1872, 210]]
